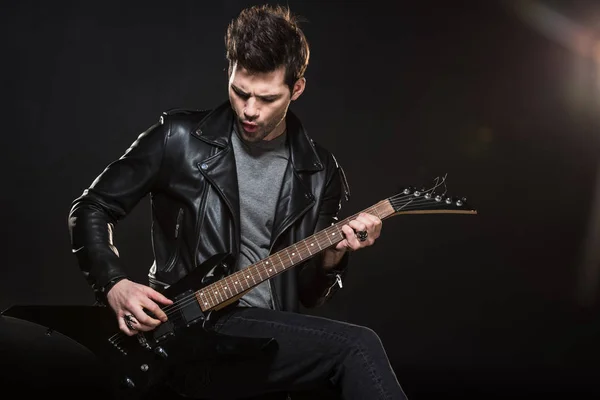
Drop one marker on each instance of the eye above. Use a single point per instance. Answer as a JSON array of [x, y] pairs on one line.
[[244, 96]]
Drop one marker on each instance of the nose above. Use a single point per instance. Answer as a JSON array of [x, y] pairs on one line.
[[250, 110]]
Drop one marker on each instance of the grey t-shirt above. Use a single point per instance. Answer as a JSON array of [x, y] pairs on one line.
[[260, 169]]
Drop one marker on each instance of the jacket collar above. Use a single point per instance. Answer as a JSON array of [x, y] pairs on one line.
[[217, 126]]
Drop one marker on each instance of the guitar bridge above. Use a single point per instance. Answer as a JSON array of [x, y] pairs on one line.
[[143, 342]]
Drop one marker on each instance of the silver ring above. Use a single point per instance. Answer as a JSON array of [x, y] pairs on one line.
[[129, 321], [362, 235]]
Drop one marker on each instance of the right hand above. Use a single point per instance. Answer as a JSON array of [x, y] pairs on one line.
[[130, 298]]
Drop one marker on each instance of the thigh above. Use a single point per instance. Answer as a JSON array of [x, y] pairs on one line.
[[309, 347], [308, 350]]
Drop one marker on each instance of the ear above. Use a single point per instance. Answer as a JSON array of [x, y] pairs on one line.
[[298, 88]]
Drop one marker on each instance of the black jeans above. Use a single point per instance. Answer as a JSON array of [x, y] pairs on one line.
[[313, 353]]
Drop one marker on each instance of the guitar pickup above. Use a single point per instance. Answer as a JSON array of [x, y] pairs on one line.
[[189, 311], [163, 331]]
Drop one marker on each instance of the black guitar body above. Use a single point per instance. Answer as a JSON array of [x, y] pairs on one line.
[[133, 366]]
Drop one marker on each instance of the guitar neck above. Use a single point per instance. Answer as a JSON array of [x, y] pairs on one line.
[[224, 290]]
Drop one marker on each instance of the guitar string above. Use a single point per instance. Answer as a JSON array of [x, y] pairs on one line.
[[191, 298], [394, 200]]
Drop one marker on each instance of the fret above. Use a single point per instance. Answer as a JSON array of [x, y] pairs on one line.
[[338, 234], [238, 285], [232, 288], [307, 248], [375, 209], [209, 296], [247, 276], [203, 299], [200, 301], [280, 260], [290, 257], [266, 268], [258, 270], [216, 291], [296, 252], [316, 239], [227, 287], [269, 269], [328, 236]]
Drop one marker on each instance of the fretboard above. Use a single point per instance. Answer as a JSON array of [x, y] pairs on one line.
[[225, 289]]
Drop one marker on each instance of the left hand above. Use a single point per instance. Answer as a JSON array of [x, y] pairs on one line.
[[364, 222]]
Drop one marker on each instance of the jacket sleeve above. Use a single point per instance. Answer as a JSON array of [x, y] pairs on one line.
[[316, 285], [111, 196]]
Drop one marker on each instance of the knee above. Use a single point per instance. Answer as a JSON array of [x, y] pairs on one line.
[[364, 338]]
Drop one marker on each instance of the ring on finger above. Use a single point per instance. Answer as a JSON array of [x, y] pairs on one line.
[[129, 321], [362, 235]]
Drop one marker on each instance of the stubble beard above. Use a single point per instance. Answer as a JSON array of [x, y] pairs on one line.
[[263, 131]]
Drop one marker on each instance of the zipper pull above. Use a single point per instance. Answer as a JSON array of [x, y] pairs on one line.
[[338, 280], [178, 223]]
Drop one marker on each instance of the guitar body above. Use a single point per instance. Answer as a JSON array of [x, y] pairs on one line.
[[132, 366]]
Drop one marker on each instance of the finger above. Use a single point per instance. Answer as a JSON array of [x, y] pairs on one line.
[[357, 225], [155, 310], [376, 224], [341, 245], [373, 218], [353, 242], [157, 296], [124, 328], [144, 321]]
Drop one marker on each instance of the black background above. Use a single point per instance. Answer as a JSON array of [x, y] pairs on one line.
[[501, 303]]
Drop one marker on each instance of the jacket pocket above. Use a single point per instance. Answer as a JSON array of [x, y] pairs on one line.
[[175, 256]]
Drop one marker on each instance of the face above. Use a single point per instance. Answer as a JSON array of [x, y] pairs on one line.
[[260, 102]]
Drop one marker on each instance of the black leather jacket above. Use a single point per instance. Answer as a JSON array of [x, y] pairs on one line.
[[186, 164]]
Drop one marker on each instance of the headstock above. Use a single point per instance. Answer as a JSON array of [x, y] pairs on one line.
[[430, 201]]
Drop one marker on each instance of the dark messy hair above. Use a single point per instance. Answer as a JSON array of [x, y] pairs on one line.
[[263, 38]]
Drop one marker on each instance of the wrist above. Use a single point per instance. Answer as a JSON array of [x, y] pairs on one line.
[[332, 258], [103, 291]]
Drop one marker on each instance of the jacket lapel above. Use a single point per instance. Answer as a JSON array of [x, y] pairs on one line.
[[296, 196], [219, 169]]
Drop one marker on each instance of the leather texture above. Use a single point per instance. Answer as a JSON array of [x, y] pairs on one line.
[[186, 165]]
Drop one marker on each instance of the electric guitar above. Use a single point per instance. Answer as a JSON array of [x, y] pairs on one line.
[[134, 364]]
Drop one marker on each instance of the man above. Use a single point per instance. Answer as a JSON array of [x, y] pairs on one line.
[[243, 179]]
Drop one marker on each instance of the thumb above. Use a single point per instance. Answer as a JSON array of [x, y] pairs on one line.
[[343, 245]]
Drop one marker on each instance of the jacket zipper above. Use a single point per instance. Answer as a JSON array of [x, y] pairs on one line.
[[338, 281], [177, 250], [273, 291], [200, 222]]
